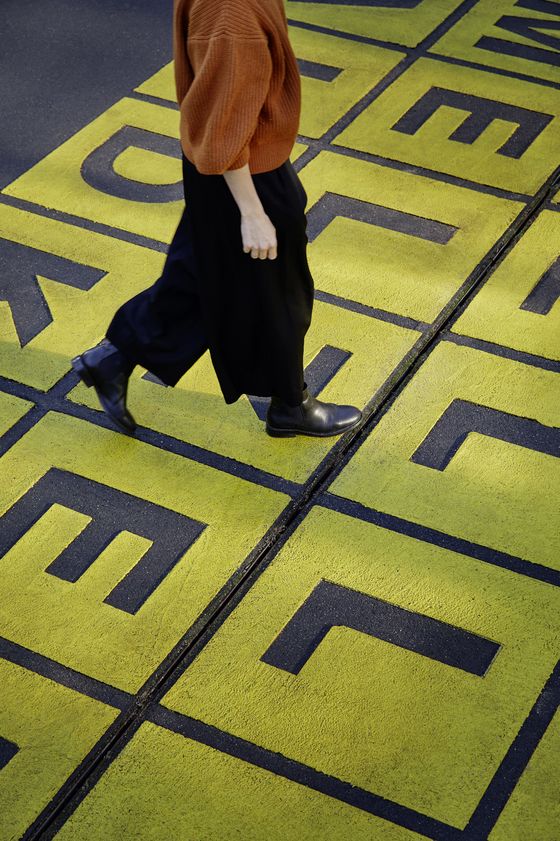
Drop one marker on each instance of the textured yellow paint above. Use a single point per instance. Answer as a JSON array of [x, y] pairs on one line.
[[358, 68], [401, 26], [165, 786], [56, 181], [148, 167], [533, 811], [430, 147], [396, 271], [234, 430], [161, 84], [495, 314], [401, 725], [462, 38], [80, 318], [54, 729], [492, 492], [383, 718], [12, 409], [69, 622]]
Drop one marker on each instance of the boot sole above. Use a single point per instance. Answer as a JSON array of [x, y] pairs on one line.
[[277, 432], [81, 369]]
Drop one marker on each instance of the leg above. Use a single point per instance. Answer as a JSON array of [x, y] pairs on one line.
[[162, 328]]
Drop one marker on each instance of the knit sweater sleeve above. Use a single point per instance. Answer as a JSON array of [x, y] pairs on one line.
[[221, 108]]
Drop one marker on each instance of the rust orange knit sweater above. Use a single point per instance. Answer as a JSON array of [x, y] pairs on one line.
[[238, 84]]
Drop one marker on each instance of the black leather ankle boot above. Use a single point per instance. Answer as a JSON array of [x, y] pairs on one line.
[[107, 369], [311, 417]]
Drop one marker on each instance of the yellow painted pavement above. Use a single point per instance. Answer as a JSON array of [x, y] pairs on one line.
[[204, 794], [374, 714], [416, 166]]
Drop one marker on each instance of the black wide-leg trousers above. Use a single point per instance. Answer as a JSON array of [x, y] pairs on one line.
[[251, 314]]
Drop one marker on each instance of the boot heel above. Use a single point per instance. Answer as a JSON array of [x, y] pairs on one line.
[[279, 433], [82, 371]]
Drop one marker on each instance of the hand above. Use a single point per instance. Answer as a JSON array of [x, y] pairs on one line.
[[259, 236]]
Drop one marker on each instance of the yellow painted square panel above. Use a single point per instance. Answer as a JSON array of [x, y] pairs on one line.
[[519, 304], [119, 170], [46, 730], [163, 785], [508, 35], [111, 548], [470, 448], [533, 811], [389, 239], [73, 280], [494, 130], [341, 72], [353, 353], [352, 654], [402, 22]]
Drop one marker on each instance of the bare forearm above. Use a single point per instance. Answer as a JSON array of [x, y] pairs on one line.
[[242, 187], [257, 231]]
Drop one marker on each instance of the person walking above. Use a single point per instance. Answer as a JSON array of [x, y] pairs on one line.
[[236, 280]]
